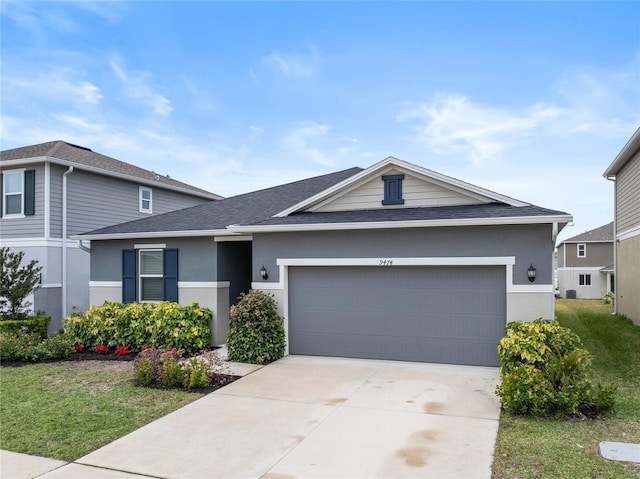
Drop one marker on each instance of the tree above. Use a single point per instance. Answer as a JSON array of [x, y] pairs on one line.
[[16, 283]]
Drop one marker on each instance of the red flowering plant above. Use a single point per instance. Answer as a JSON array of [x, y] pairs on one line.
[[101, 348], [121, 351], [78, 347]]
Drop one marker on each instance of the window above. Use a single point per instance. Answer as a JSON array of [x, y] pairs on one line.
[[17, 193], [149, 274], [582, 250], [585, 280], [393, 190], [146, 198]]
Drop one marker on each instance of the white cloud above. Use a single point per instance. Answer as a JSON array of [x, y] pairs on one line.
[[137, 85], [43, 17], [293, 65], [56, 84], [453, 124], [303, 142]]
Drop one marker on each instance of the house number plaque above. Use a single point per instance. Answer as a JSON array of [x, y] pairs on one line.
[[386, 262]]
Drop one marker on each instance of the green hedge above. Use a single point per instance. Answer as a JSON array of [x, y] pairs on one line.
[[135, 325], [34, 325]]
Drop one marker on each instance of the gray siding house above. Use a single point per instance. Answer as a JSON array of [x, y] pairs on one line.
[[394, 262], [585, 264], [53, 190], [625, 172]]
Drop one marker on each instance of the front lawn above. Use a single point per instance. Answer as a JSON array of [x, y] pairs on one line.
[[556, 449], [67, 409]]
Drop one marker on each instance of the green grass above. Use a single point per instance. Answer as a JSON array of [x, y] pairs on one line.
[[557, 449], [66, 410]]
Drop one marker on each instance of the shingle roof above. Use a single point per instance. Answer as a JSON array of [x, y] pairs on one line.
[[84, 156], [245, 209], [597, 235], [488, 210]]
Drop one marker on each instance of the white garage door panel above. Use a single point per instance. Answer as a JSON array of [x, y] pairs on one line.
[[436, 314]]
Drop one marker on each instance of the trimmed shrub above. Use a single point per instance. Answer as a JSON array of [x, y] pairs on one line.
[[195, 374], [162, 325], [545, 370], [256, 334], [38, 325], [171, 374], [164, 367], [31, 348]]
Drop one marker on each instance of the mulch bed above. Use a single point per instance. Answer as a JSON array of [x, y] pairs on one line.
[[217, 380]]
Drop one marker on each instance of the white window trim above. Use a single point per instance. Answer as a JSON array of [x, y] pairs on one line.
[[6, 215], [141, 276], [140, 199], [584, 250], [585, 280]]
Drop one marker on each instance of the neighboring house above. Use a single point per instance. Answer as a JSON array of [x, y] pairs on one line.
[[585, 264], [52, 190], [391, 262], [625, 172]]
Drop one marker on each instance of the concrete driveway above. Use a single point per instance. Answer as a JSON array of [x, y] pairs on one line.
[[312, 417]]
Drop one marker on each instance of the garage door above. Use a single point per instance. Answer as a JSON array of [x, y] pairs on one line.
[[452, 314]]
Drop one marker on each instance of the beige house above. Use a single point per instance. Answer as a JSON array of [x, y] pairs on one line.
[[625, 173]]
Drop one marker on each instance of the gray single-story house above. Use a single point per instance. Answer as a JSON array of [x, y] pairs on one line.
[[393, 262]]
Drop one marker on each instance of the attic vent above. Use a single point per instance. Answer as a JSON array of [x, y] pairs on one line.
[[393, 190]]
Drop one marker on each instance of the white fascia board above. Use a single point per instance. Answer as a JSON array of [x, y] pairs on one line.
[[152, 234], [100, 171], [627, 234], [418, 170], [628, 150], [391, 262], [517, 220], [586, 241]]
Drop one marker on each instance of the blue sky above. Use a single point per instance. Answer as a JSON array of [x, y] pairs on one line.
[[529, 99]]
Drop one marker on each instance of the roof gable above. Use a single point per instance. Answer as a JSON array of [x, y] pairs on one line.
[[421, 188]]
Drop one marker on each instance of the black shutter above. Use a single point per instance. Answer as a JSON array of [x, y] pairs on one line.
[[1, 195], [171, 275], [128, 276], [29, 192]]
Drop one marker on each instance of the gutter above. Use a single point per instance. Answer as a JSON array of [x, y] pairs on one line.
[[615, 242], [513, 220], [64, 240]]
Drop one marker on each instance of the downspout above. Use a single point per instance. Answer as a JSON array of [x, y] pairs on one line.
[[64, 241], [615, 243], [86, 249]]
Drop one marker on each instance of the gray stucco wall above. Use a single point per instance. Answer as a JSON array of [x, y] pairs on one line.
[[530, 244], [196, 258]]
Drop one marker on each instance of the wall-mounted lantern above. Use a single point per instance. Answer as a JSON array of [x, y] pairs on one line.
[[264, 275], [531, 273]]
